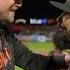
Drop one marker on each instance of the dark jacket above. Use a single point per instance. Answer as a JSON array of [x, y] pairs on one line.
[[26, 59]]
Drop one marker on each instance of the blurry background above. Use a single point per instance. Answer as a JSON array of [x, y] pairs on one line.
[[35, 23], [38, 9]]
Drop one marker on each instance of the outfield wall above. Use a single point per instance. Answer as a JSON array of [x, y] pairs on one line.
[[33, 38]]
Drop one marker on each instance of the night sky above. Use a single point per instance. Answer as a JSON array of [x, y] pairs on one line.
[[38, 9]]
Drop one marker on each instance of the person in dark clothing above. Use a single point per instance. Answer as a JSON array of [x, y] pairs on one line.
[[14, 53], [62, 38]]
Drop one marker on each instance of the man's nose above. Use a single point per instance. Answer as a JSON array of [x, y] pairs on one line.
[[18, 3]]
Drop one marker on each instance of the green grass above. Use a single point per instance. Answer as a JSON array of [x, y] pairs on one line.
[[37, 46], [18, 68]]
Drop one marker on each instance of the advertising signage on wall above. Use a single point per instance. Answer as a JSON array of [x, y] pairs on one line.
[[43, 21], [38, 21]]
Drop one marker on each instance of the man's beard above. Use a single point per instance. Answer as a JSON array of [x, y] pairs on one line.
[[6, 19]]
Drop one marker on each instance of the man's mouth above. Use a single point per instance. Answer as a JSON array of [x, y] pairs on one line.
[[13, 8]]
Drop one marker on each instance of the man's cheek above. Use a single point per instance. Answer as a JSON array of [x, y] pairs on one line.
[[67, 23]]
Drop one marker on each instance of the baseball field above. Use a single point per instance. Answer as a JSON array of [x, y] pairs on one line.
[[38, 47]]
